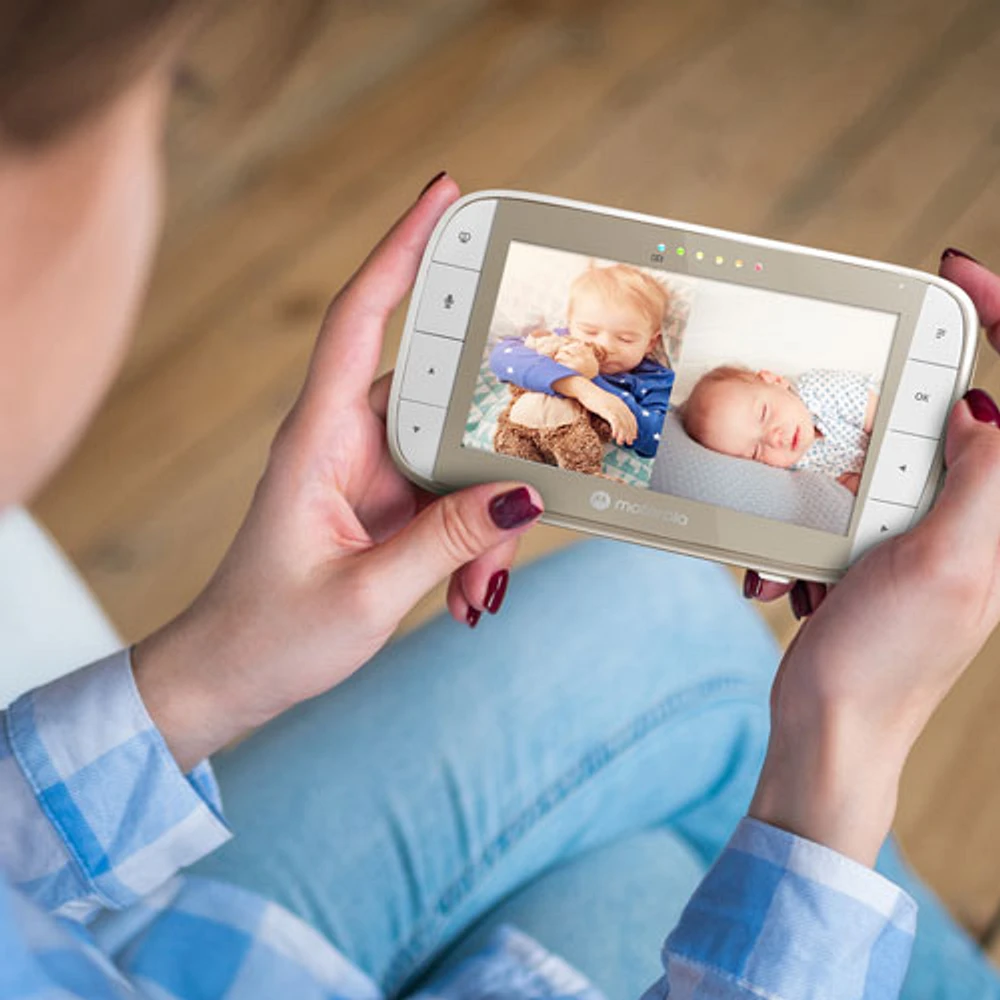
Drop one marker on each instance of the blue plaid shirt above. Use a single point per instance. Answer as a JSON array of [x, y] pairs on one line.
[[96, 819]]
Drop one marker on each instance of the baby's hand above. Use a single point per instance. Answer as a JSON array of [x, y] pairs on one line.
[[852, 480], [624, 428], [543, 342], [621, 419]]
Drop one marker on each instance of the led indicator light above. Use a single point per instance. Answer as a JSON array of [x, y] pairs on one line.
[[758, 266], [700, 255], [720, 260], [661, 247], [681, 251], [738, 262]]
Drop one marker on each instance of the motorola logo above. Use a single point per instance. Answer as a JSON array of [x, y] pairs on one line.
[[648, 510], [600, 500]]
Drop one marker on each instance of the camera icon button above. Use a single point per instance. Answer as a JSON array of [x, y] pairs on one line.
[[463, 242]]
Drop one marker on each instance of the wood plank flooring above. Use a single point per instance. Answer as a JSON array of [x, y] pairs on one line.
[[872, 128]]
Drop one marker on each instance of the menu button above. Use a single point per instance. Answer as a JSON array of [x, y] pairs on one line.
[[938, 337]]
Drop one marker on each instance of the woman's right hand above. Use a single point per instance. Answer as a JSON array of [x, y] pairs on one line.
[[337, 545], [872, 663]]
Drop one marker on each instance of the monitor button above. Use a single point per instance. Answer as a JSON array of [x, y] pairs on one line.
[[903, 464], [938, 337], [431, 364], [446, 301], [923, 399], [878, 522], [420, 427], [463, 242]]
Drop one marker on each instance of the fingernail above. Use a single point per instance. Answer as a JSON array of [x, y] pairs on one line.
[[982, 406], [472, 616], [495, 591], [752, 584], [799, 597], [513, 508], [955, 252], [431, 183]]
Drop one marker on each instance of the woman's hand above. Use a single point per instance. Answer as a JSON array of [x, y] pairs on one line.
[[621, 420], [337, 545], [869, 667]]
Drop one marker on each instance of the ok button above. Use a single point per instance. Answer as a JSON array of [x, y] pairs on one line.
[[923, 399]]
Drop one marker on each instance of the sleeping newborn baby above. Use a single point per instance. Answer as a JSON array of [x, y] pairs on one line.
[[819, 420]]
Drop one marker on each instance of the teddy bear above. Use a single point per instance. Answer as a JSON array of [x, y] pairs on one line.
[[553, 429]]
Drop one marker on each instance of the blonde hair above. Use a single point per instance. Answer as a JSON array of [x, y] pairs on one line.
[[694, 411], [632, 286]]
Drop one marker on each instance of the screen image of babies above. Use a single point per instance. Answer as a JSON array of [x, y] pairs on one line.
[[820, 419], [619, 311]]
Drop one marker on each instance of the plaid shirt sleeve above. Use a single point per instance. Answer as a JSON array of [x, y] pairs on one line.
[[96, 812], [785, 918]]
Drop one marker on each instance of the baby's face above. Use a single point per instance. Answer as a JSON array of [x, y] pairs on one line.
[[763, 420], [620, 329]]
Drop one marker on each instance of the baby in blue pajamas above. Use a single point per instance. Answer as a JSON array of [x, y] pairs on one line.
[[820, 420], [622, 310]]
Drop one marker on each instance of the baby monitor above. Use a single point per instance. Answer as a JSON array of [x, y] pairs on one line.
[[716, 394]]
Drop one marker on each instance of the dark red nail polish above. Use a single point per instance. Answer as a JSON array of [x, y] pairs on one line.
[[513, 508], [431, 183], [752, 584], [955, 252], [799, 597], [472, 616], [496, 590], [982, 406]]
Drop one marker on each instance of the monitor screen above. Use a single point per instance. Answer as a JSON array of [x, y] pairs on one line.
[[686, 385]]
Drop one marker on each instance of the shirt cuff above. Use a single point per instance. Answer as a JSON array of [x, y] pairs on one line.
[[784, 917], [107, 782]]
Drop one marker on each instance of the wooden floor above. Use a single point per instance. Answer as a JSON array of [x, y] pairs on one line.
[[867, 127]]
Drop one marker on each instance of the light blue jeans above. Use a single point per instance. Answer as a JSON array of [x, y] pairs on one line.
[[570, 766]]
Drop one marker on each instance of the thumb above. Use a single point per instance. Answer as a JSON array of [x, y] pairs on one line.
[[967, 512], [445, 536]]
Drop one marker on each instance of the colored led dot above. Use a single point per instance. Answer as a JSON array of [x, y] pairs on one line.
[[681, 251], [661, 247], [700, 255], [758, 266], [720, 260], [738, 263]]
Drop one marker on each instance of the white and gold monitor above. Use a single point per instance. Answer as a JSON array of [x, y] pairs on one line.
[[716, 343]]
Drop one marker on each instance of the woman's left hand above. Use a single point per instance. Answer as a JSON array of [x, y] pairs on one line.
[[880, 650], [337, 545]]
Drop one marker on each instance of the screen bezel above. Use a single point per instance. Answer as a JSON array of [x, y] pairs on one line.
[[683, 524]]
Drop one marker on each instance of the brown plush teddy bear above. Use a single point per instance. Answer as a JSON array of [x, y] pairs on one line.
[[553, 429]]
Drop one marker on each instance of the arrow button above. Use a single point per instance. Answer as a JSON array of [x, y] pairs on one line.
[[904, 462], [420, 429]]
